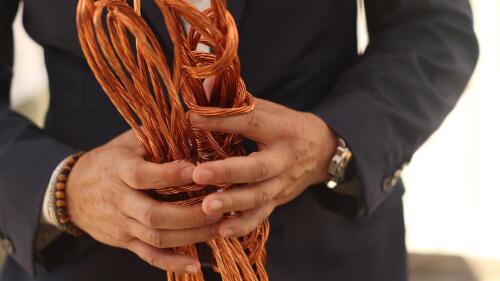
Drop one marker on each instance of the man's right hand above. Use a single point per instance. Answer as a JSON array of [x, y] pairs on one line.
[[105, 199]]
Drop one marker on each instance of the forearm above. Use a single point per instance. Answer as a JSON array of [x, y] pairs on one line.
[[420, 57]]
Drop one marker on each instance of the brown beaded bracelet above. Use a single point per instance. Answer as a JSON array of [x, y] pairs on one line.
[[59, 197]]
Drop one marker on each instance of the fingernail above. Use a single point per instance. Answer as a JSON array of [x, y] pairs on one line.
[[191, 268], [204, 175], [187, 173], [215, 205], [228, 232]]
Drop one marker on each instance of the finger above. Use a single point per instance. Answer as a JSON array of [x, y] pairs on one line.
[[258, 125], [142, 174], [172, 238], [164, 215], [247, 222], [163, 258], [243, 198], [256, 167]]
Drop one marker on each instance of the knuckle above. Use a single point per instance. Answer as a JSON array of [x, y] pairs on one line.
[[128, 231], [228, 201], [296, 155], [136, 175], [262, 170], [255, 120], [129, 244], [151, 217], [212, 232], [295, 173], [191, 220], [212, 123], [170, 176], [157, 239], [286, 193], [199, 236], [121, 235], [228, 174], [156, 261], [161, 262], [261, 197], [113, 238]]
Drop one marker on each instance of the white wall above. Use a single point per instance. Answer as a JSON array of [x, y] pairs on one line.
[[453, 187], [29, 85], [30, 77]]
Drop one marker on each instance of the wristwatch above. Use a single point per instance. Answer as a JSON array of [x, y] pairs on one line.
[[338, 164]]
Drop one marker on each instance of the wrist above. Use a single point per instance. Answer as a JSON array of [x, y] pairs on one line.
[[58, 206], [48, 207], [328, 146]]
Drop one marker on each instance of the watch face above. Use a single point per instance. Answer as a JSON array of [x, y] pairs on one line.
[[332, 168]]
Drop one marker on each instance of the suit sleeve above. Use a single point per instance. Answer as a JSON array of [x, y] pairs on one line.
[[27, 158], [419, 60]]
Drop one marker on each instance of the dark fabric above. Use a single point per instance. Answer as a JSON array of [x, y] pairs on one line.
[[27, 158], [299, 53]]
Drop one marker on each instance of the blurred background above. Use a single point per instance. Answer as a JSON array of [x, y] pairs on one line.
[[452, 202]]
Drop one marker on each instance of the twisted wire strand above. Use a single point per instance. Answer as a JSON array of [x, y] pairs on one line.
[[151, 98]]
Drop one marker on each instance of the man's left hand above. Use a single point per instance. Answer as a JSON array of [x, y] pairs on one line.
[[294, 151]]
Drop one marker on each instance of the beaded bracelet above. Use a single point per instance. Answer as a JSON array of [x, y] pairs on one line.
[[59, 206]]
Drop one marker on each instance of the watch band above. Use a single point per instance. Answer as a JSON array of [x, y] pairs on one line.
[[338, 164]]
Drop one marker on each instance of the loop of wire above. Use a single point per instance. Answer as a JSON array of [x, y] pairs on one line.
[[129, 63]]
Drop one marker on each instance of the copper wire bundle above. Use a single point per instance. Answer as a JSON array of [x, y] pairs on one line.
[[151, 98]]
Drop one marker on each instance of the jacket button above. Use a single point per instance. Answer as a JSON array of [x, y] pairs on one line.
[[7, 246], [390, 183]]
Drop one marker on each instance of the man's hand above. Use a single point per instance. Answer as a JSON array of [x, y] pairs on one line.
[[105, 200], [294, 150]]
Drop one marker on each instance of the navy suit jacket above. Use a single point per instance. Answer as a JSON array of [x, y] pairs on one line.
[[299, 53]]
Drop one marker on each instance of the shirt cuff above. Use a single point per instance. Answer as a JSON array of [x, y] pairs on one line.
[[48, 230], [48, 212]]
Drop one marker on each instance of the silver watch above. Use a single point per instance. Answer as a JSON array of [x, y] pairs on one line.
[[338, 164]]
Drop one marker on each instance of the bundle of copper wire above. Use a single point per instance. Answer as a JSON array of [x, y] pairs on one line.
[[131, 66]]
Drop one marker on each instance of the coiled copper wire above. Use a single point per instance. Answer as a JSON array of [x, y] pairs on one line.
[[137, 79]]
